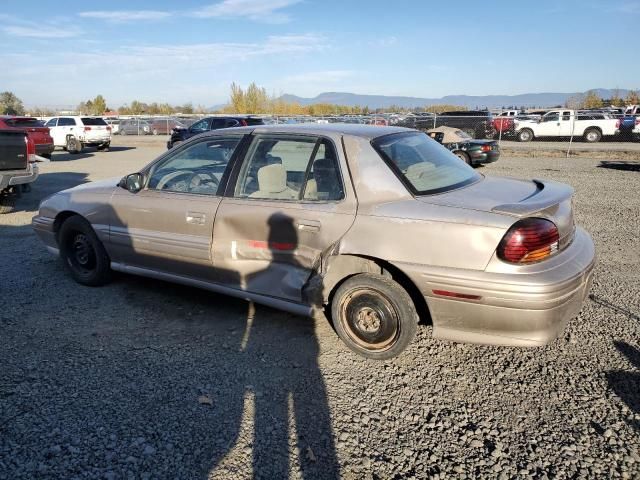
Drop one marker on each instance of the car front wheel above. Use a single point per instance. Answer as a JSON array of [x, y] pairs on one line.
[[374, 316], [82, 253]]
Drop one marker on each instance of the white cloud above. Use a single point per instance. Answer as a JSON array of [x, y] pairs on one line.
[[16, 27], [123, 16], [258, 10], [384, 41]]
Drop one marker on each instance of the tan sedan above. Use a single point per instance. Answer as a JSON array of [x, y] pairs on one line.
[[377, 226]]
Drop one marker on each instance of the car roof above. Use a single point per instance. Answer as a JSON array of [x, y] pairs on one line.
[[357, 130]]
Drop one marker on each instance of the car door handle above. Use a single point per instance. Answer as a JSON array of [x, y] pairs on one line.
[[196, 218], [308, 225]]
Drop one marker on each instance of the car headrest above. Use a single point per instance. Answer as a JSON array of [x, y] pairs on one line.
[[272, 178]]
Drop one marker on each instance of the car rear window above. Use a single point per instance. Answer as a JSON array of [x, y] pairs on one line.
[[254, 121], [423, 165], [92, 121], [23, 122]]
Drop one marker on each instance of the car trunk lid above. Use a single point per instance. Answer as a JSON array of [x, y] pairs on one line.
[[516, 198]]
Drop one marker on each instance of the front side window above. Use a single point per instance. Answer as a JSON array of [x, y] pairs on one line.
[[196, 169], [551, 117], [290, 168], [201, 126], [422, 164]]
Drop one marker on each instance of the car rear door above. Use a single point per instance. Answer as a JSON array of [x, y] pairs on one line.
[[287, 204], [167, 225]]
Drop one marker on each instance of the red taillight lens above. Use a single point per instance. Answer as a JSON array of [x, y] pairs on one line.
[[31, 146], [86, 129], [108, 128], [529, 240], [486, 148]]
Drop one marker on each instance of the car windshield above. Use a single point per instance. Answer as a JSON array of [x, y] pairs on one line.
[[93, 121], [423, 165]]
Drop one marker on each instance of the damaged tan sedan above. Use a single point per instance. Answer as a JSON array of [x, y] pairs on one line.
[[376, 226]]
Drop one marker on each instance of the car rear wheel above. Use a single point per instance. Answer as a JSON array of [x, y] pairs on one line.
[[374, 316], [74, 145], [592, 135], [82, 253], [463, 156], [525, 135]]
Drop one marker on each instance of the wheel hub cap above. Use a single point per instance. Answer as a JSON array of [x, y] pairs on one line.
[[82, 249], [368, 320]]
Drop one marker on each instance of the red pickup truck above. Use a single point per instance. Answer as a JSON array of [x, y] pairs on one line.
[[35, 129]]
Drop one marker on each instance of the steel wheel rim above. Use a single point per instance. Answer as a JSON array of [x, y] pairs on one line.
[[82, 256], [370, 319]]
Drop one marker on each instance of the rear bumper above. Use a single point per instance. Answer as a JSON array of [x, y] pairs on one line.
[[530, 308], [44, 148], [484, 157], [18, 177]]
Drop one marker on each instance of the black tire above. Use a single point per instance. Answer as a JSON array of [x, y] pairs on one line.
[[104, 146], [463, 156], [592, 135], [374, 316], [82, 253], [7, 202], [525, 135], [73, 145]]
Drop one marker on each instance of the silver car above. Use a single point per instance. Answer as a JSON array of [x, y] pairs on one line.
[[379, 227]]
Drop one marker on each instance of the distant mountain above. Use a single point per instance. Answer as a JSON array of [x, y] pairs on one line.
[[547, 99]]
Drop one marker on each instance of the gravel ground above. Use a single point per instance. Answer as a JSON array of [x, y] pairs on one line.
[[145, 379]]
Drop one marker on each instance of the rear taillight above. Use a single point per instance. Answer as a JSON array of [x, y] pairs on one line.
[[486, 148], [108, 129], [618, 123], [31, 149], [529, 240], [86, 129]]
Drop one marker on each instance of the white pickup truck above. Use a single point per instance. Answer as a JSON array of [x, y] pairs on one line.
[[591, 126]]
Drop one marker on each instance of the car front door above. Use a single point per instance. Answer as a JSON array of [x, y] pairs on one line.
[[54, 131], [287, 204], [566, 124], [549, 125], [167, 225]]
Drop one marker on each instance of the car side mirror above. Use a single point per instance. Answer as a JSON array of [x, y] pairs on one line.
[[132, 182]]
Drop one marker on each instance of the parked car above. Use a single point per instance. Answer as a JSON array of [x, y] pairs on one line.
[[164, 126], [628, 122], [472, 151], [18, 167], [35, 129], [74, 133], [114, 124], [179, 135], [477, 124], [134, 126], [380, 226], [591, 126]]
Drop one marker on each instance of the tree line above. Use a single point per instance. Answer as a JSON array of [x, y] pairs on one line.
[[256, 100]]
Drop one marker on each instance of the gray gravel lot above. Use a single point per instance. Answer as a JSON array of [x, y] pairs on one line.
[[145, 379]]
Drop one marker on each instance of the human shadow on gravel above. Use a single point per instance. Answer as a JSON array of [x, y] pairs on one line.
[[626, 384], [605, 303], [195, 384]]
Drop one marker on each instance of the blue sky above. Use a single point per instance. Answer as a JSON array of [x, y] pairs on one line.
[[58, 53]]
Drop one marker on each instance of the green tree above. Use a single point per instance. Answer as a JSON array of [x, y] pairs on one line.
[[616, 99], [633, 97], [10, 104], [99, 105], [592, 100], [237, 101]]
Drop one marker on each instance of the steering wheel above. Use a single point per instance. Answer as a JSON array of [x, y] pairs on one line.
[[197, 176]]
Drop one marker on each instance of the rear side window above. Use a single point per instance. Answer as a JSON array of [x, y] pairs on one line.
[[66, 122], [52, 122], [201, 126], [423, 165], [93, 121], [290, 168], [254, 121]]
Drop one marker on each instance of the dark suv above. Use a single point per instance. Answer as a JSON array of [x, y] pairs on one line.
[[478, 123], [211, 123]]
